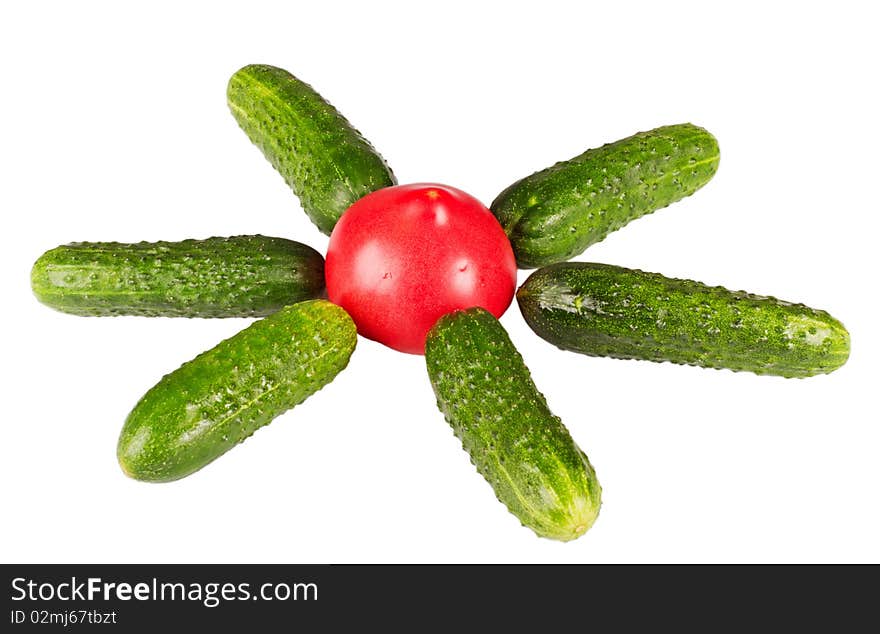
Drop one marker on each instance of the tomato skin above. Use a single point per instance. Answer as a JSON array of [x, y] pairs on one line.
[[402, 257]]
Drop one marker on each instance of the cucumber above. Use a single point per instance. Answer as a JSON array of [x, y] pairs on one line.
[[553, 215], [208, 405], [241, 276], [325, 161], [486, 393], [610, 311]]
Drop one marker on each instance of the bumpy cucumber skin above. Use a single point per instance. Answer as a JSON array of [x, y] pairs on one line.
[[553, 215], [325, 161], [217, 400], [240, 276], [610, 311], [487, 395]]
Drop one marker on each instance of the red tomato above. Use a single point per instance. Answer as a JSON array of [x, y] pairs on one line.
[[404, 256]]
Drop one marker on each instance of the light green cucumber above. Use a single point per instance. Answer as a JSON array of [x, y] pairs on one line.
[[326, 162], [553, 215], [241, 276], [610, 311], [210, 404], [486, 392]]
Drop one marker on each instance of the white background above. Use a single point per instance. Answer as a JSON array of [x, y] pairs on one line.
[[114, 126]]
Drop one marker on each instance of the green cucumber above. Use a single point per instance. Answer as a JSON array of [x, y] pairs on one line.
[[610, 311], [486, 393], [325, 161], [241, 276], [210, 404], [553, 215]]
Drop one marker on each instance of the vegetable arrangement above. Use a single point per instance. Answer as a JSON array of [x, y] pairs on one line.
[[427, 269]]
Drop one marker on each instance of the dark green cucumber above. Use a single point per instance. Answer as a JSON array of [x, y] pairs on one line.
[[242, 276], [484, 389], [217, 400], [610, 311], [326, 162], [553, 215]]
